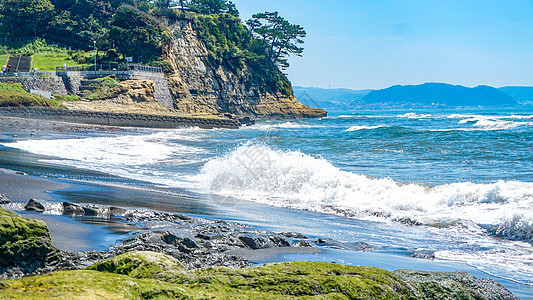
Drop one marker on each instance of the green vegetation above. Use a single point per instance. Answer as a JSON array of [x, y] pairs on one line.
[[149, 275], [30, 47], [22, 241], [144, 275], [231, 44], [49, 61], [279, 36], [25, 18], [12, 94], [108, 87], [210, 7], [141, 29], [46, 57], [3, 59], [62, 98], [138, 34]]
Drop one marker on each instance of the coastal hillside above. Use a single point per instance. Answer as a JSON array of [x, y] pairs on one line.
[[522, 94], [438, 95], [211, 71], [214, 63]]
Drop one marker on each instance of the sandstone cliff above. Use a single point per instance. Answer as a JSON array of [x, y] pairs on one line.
[[201, 85]]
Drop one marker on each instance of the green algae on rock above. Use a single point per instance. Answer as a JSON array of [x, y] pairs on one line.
[[24, 244], [148, 275], [139, 264]]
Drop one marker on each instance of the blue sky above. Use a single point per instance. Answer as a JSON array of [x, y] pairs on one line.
[[371, 44]]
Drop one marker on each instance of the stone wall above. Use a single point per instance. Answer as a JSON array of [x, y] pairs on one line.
[[54, 85], [162, 90], [116, 119], [63, 85]]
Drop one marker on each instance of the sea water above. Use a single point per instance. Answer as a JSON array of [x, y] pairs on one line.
[[456, 183]]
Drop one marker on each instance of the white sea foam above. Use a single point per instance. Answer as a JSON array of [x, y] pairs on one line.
[[129, 150], [482, 122], [364, 127], [415, 116], [295, 180], [281, 126], [127, 156]]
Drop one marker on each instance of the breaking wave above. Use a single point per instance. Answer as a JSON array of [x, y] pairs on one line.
[[295, 180]]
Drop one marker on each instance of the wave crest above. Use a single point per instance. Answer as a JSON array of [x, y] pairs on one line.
[[295, 180]]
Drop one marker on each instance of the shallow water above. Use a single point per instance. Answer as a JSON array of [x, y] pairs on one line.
[[459, 183]]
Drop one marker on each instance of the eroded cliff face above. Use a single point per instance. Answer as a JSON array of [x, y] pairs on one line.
[[199, 85]]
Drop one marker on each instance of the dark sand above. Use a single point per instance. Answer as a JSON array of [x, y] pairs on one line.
[[66, 233]]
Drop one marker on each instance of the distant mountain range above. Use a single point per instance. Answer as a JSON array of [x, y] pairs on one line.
[[427, 95], [330, 99], [522, 94]]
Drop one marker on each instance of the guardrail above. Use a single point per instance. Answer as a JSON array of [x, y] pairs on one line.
[[26, 74], [109, 67]]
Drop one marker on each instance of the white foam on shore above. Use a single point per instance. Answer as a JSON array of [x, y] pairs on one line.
[[295, 180], [129, 156]]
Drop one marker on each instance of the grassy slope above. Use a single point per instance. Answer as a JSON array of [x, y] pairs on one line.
[[49, 61], [3, 59], [12, 94]]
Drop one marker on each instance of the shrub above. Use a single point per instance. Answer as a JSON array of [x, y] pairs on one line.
[[165, 66]]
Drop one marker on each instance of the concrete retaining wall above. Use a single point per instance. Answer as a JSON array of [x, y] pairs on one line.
[[116, 119], [63, 85], [53, 85]]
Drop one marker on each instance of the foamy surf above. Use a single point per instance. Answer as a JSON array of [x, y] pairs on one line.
[[295, 180], [135, 157], [364, 127]]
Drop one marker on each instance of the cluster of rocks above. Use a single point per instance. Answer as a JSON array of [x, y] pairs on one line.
[[197, 243]]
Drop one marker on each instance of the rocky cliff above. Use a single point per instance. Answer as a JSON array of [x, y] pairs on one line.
[[202, 85]]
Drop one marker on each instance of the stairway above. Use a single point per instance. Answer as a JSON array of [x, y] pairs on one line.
[[13, 62], [89, 85], [20, 63], [24, 64]]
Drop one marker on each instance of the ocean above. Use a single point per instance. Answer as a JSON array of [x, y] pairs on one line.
[[457, 184]]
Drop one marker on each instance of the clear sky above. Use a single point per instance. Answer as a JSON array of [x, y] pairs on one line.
[[372, 44]]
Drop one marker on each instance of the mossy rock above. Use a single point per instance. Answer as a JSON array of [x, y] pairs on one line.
[[23, 242], [303, 279], [140, 264], [14, 228], [148, 275], [86, 284]]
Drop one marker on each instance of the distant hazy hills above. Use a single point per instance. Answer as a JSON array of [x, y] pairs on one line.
[[522, 94], [427, 95], [329, 98]]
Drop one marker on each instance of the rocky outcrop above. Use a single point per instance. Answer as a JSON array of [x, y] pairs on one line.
[[25, 245], [202, 86], [149, 275], [165, 272]]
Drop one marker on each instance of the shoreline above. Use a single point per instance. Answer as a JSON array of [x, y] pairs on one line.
[[189, 249], [118, 119], [67, 191]]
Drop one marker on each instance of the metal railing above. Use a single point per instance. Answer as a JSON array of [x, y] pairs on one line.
[[109, 67], [26, 74]]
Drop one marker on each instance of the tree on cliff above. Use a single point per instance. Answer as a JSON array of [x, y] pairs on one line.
[[281, 37], [138, 34], [25, 18], [208, 7]]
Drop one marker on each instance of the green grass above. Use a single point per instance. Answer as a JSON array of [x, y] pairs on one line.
[[3, 59], [12, 94], [49, 61]]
